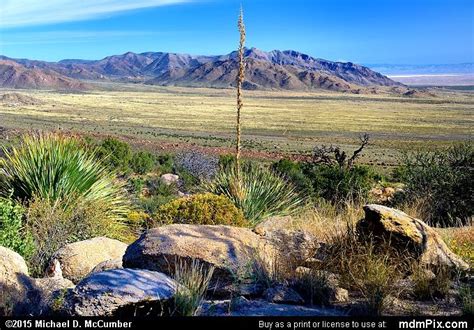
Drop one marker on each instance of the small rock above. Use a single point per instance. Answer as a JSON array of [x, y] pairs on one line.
[[169, 179], [338, 295], [283, 295]]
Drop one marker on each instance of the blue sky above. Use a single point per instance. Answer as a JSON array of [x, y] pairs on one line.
[[362, 31]]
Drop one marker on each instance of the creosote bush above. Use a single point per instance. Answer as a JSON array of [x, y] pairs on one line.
[[142, 162], [115, 154], [261, 193], [203, 209], [443, 180]]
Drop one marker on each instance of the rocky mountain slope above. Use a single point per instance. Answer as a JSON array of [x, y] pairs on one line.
[[15, 75], [285, 70]]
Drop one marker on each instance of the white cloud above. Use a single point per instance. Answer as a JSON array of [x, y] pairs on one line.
[[77, 36], [17, 13]]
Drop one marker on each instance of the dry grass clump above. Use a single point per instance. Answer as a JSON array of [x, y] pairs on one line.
[[327, 221], [314, 286], [429, 285], [367, 269], [193, 281], [460, 241], [52, 227], [467, 299]]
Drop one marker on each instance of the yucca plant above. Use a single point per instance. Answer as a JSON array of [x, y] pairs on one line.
[[260, 193], [56, 167]]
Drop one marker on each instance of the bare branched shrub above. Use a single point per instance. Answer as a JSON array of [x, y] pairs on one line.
[[334, 155], [201, 166]]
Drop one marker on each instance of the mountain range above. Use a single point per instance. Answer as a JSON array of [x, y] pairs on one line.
[[276, 70]]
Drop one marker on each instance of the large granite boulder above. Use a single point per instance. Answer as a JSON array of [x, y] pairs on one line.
[[408, 234], [230, 250], [122, 292], [13, 272], [78, 259]]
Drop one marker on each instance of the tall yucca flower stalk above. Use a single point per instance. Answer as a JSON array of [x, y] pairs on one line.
[[240, 81]]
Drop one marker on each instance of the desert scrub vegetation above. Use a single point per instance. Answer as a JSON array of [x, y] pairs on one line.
[[260, 193], [13, 234], [200, 209], [55, 167], [331, 175], [49, 219], [428, 285], [55, 192], [442, 179], [367, 269], [193, 280]]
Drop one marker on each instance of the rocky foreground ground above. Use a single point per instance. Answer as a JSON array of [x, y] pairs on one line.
[[104, 277]]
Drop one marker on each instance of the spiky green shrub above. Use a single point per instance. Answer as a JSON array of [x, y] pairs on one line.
[[56, 167], [260, 193], [201, 209], [12, 231]]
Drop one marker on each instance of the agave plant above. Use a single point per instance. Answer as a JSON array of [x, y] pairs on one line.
[[56, 167], [260, 193]]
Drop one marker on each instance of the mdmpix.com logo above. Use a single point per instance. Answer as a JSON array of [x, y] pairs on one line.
[[432, 324]]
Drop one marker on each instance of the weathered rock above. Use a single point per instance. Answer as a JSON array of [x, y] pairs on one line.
[[244, 307], [79, 258], [294, 246], [338, 295], [248, 289], [169, 179], [13, 272], [45, 296], [121, 292], [283, 295], [408, 234], [272, 224], [108, 265], [230, 250]]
